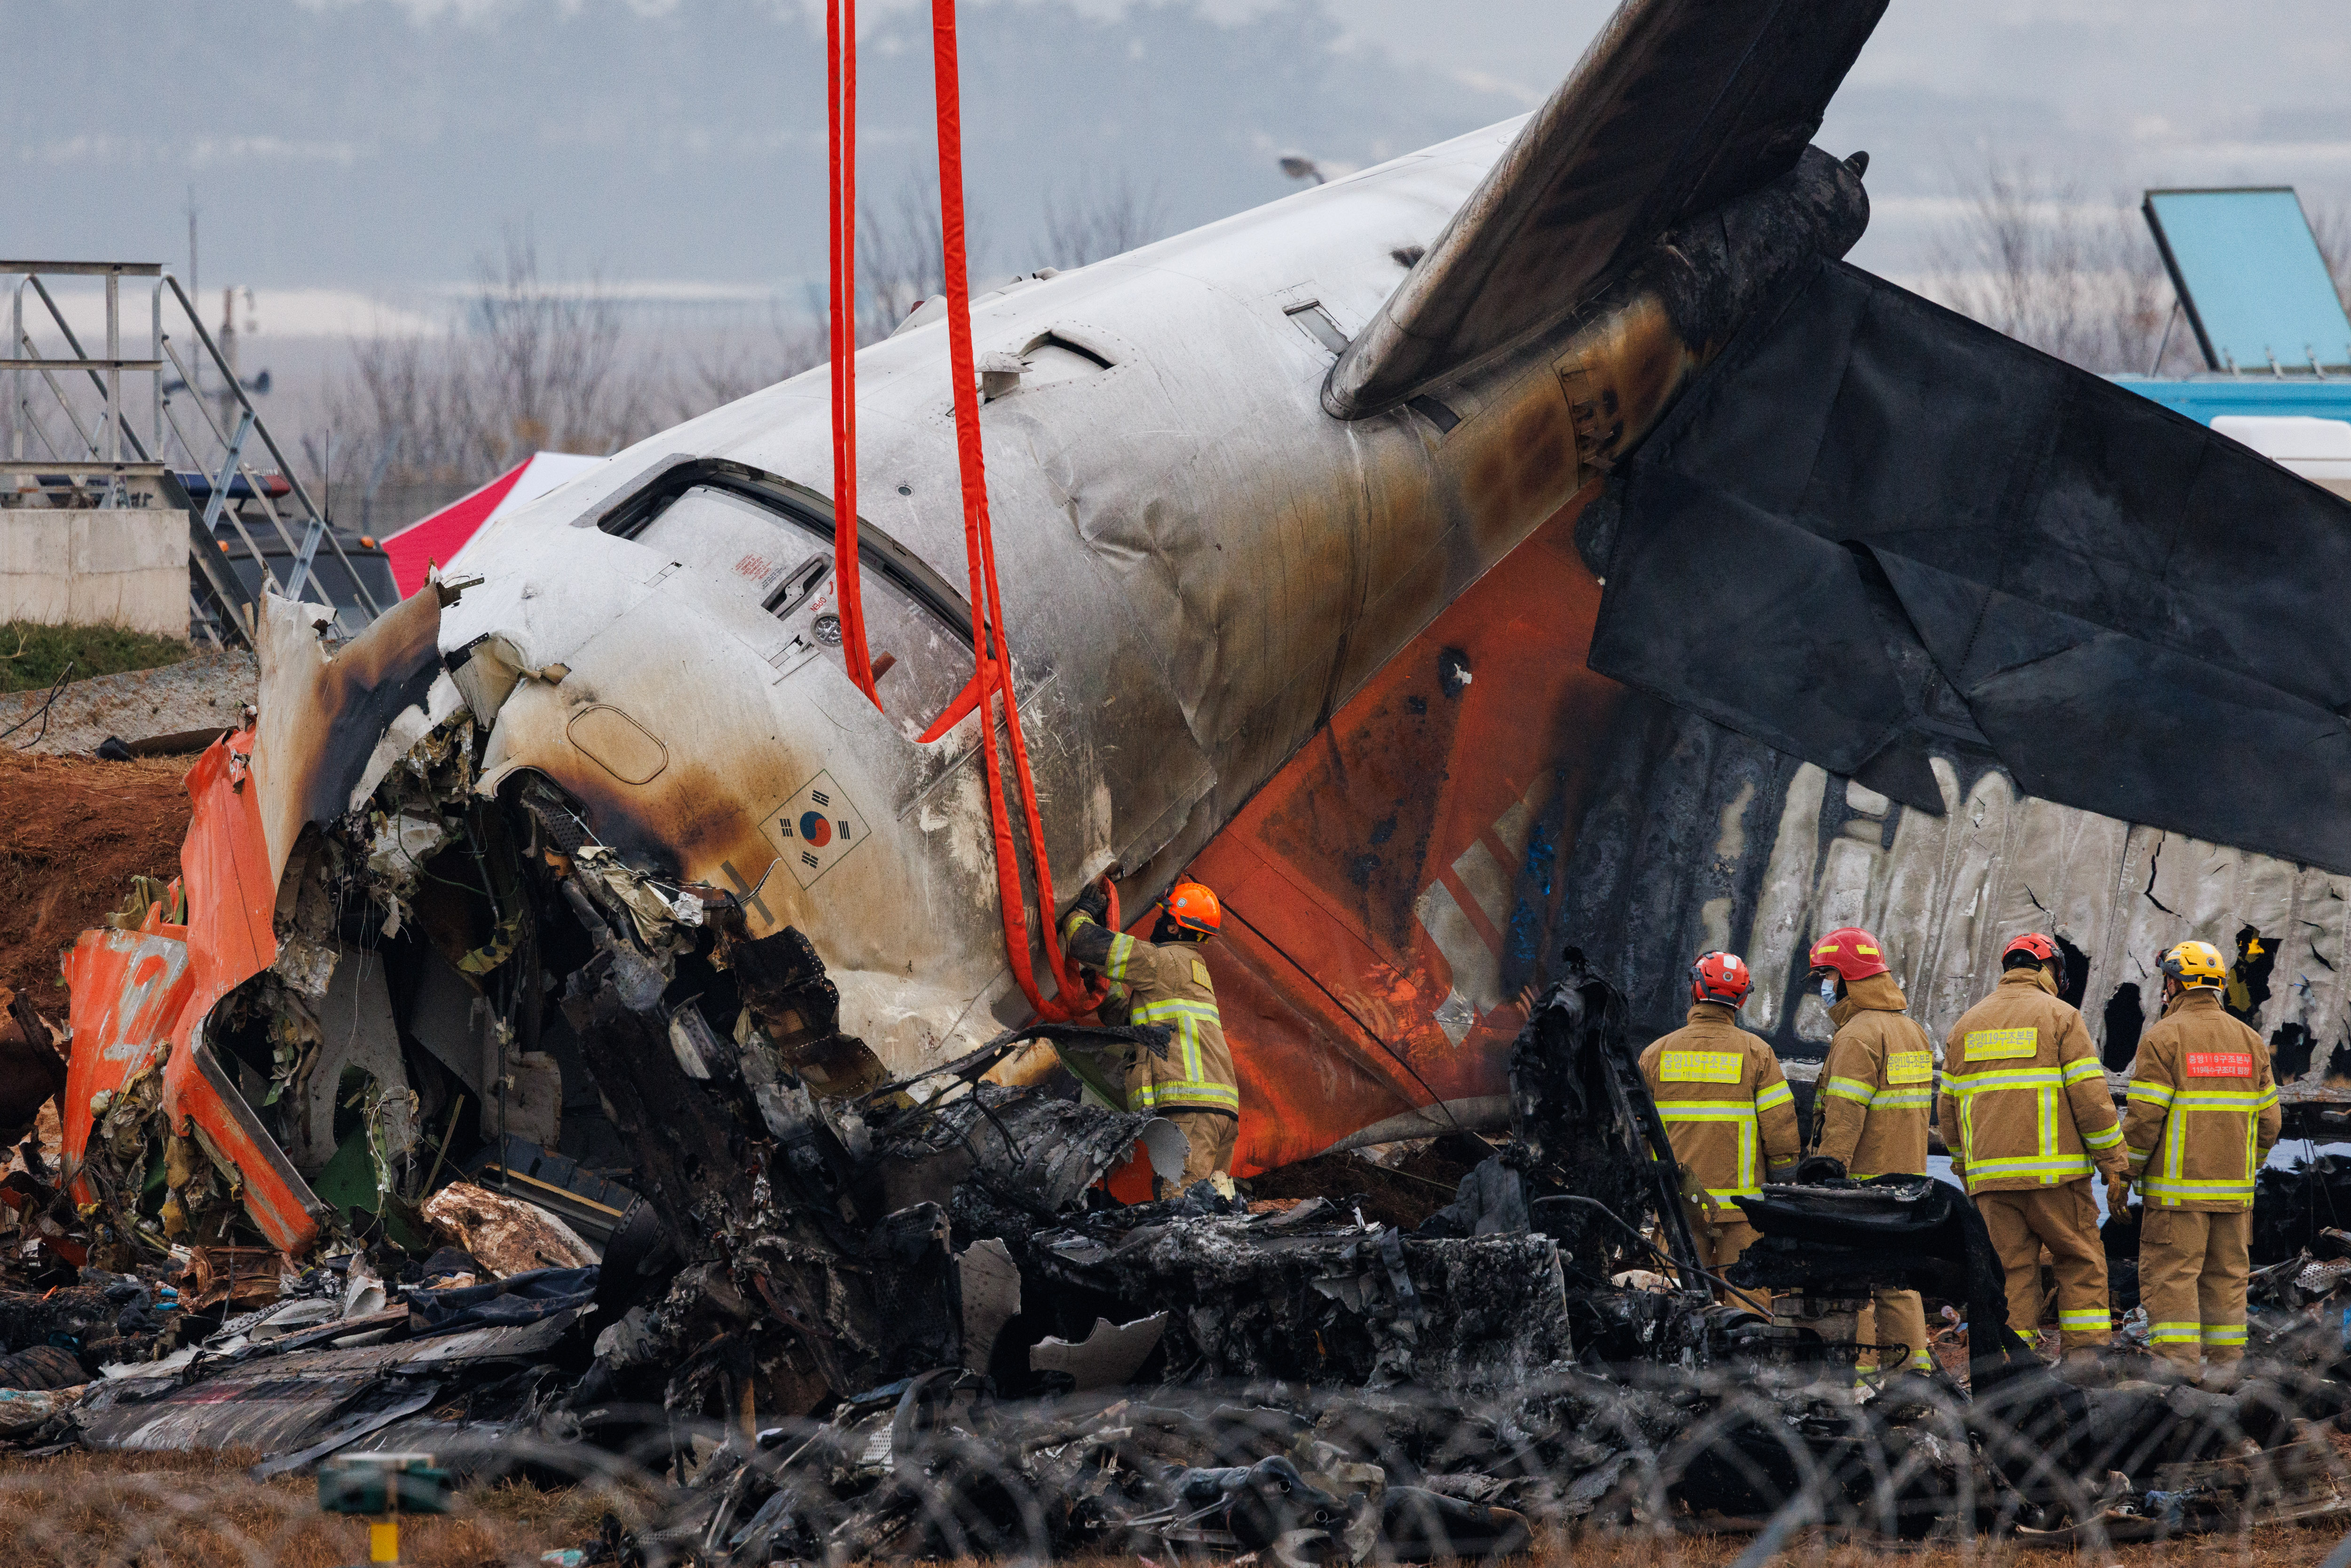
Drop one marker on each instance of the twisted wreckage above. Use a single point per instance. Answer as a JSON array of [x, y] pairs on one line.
[[853, 1312], [1501, 573]]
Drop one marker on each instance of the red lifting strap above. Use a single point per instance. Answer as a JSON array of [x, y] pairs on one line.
[[840, 143], [991, 655]]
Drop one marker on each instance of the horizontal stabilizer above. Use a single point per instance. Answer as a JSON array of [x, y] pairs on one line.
[[1678, 106], [1876, 531]]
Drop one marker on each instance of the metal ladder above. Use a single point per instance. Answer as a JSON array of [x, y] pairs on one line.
[[84, 464]]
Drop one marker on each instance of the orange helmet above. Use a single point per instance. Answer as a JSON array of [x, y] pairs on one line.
[[1850, 952], [2043, 950], [1721, 978], [1193, 906]]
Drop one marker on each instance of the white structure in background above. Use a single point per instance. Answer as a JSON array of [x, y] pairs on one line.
[[2317, 449], [1945, 894]]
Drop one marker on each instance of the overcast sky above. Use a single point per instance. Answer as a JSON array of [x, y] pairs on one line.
[[370, 150]]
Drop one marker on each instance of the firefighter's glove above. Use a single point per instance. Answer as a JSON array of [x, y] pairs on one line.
[[1814, 1169], [1094, 903], [2117, 1192]]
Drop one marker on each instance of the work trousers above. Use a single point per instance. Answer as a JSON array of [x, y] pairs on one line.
[[2191, 1280], [1721, 1243], [1897, 1317], [2066, 1220], [1212, 1134]]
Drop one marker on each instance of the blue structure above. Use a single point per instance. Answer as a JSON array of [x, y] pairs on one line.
[[2205, 398], [2251, 277]]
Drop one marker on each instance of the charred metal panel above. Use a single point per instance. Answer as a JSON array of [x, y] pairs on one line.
[[1871, 505], [1677, 107], [1390, 890]]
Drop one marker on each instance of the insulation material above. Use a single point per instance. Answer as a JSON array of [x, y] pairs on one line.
[[506, 1235]]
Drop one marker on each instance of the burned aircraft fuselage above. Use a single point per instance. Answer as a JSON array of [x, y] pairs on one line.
[[1200, 565]]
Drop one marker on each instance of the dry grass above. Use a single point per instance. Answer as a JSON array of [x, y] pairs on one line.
[[201, 1511]]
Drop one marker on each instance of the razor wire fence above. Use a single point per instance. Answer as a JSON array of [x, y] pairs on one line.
[[1647, 1464]]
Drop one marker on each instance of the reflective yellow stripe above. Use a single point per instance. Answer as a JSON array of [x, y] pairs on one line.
[[1902, 1099], [1777, 1094], [1121, 953], [2082, 1070], [1850, 1088], [2081, 1318], [2179, 1189], [2050, 1169], [2173, 1333], [2105, 1140], [2220, 1099], [2137, 1157], [1740, 1114], [2150, 1093], [1967, 1085], [2224, 1334], [1150, 1096]]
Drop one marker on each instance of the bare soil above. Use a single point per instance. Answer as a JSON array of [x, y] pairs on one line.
[[73, 832]]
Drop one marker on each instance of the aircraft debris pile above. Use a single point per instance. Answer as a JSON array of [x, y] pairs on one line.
[[907, 1320]]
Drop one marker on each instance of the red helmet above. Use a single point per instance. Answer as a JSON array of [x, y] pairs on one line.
[[2043, 950], [1850, 952], [1192, 907], [1721, 978]]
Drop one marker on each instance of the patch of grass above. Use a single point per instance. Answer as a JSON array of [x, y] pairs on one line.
[[31, 654]]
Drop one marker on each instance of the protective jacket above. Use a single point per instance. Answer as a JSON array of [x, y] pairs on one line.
[[2024, 1096], [1726, 1106], [1878, 1087], [1167, 985], [2203, 1108]]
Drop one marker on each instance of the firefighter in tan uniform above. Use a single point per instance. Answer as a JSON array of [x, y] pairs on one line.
[[2026, 1116], [2202, 1115], [1164, 982], [1876, 1091], [1727, 1107]]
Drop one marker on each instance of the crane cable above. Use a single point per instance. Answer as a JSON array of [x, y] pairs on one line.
[[992, 653], [841, 145]]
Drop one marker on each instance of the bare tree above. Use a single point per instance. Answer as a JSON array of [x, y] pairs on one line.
[[2331, 222], [544, 360], [1095, 220], [2042, 262], [734, 365], [901, 258], [534, 365]]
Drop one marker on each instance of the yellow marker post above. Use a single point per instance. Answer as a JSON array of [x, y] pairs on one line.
[[383, 1487]]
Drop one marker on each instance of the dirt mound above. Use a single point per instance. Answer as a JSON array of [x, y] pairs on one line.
[[73, 833]]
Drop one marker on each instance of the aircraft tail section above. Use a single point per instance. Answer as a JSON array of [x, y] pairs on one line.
[[1678, 107]]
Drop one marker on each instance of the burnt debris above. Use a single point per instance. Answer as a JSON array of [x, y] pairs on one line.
[[849, 1316]]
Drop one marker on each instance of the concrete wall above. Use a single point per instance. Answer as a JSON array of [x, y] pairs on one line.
[[96, 568]]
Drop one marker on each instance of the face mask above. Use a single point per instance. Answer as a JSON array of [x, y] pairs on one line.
[[1828, 993]]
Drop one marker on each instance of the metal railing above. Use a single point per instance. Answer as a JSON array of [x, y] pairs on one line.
[[87, 455]]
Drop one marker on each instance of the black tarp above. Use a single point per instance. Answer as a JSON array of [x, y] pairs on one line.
[[516, 1300], [1875, 529]]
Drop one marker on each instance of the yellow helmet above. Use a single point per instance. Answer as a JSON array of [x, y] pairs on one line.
[[2196, 964]]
